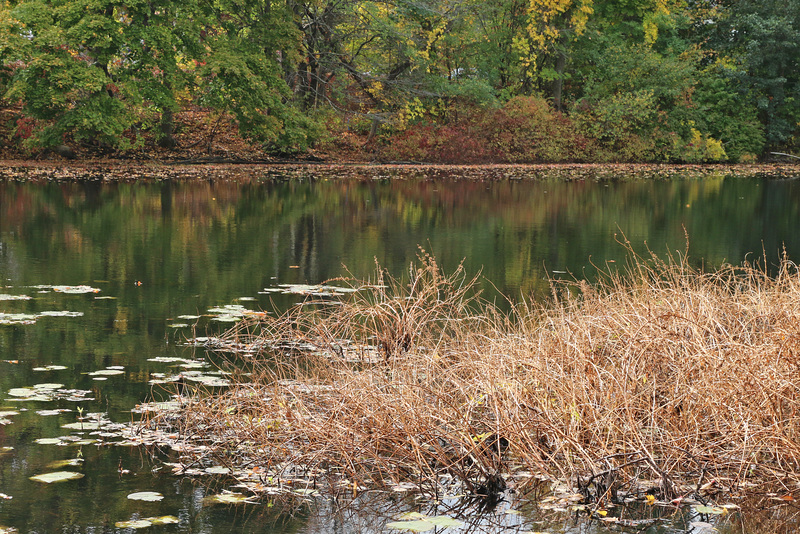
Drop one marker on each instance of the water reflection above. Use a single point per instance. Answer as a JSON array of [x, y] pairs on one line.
[[165, 249]]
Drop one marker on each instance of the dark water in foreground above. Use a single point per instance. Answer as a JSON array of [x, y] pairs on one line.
[[152, 252]]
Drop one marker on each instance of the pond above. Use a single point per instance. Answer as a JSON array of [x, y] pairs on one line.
[[102, 283]]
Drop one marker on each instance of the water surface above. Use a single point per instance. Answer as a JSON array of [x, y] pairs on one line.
[[163, 249]]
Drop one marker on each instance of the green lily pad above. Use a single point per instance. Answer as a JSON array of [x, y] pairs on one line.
[[73, 290], [229, 498], [217, 470], [52, 412], [71, 462], [700, 509], [134, 523], [22, 392], [50, 368], [188, 317], [8, 413], [149, 496], [48, 441], [5, 296], [17, 318], [164, 520], [57, 476], [29, 394], [210, 381], [83, 425], [419, 525], [48, 386], [107, 372], [147, 522], [445, 521], [60, 313]]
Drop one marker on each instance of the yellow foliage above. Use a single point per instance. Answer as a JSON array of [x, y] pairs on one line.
[[549, 19]]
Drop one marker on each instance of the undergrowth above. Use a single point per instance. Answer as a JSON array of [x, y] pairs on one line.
[[659, 378]]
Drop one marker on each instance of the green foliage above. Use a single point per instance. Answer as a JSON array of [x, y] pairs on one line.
[[528, 130], [727, 115], [625, 125], [761, 41], [643, 80]]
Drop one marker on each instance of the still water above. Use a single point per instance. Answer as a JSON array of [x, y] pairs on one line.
[[150, 252]]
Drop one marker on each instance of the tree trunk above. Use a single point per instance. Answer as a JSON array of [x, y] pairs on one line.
[[166, 129], [558, 83]]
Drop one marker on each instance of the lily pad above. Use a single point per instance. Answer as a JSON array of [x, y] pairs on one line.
[[147, 522], [149, 496], [106, 372], [48, 441], [84, 425], [700, 509], [52, 412], [419, 525], [164, 520], [229, 498], [416, 522], [4, 296], [60, 313], [28, 394], [217, 470], [17, 318], [48, 386], [73, 290], [57, 476], [188, 317], [134, 523], [8, 413], [50, 368], [71, 462]]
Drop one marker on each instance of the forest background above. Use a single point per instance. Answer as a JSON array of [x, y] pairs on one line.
[[452, 81]]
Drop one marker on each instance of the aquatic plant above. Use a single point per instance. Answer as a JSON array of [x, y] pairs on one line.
[[659, 379]]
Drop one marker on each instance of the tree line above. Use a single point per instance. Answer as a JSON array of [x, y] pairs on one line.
[[440, 80]]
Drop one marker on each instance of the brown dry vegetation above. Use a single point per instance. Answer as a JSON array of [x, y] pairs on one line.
[[663, 379]]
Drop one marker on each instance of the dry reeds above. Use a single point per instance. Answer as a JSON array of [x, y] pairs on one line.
[[661, 377]]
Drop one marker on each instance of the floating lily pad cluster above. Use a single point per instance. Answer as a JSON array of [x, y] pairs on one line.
[[416, 522], [230, 313], [31, 318], [6, 296], [57, 476], [49, 392], [316, 290], [191, 372], [49, 368], [70, 290], [103, 374], [147, 522]]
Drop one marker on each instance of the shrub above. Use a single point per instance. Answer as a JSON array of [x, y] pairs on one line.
[[624, 126], [527, 130]]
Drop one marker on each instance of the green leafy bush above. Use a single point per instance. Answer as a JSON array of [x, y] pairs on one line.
[[527, 130], [624, 126]]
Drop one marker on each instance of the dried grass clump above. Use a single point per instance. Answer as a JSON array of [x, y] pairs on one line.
[[660, 378]]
